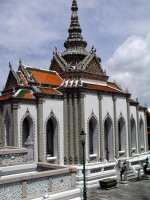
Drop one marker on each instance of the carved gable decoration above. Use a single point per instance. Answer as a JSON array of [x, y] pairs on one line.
[[94, 67], [11, 81], [56, 67]]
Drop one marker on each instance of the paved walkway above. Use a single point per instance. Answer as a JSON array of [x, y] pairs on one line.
[[134, 190]]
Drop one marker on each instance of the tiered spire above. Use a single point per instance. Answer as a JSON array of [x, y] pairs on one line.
[[75, 45]]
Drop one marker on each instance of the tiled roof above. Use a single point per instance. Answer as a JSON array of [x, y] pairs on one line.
[[25, 94], [22, 78], [50, 91], [45, 77], [99, 87], [6, 96], [113, 85]]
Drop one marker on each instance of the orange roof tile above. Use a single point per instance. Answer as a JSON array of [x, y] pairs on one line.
[[28, 96], [100, 87], [6, 96], [23, 79], [113, 85], [50, 91], [46, 78]]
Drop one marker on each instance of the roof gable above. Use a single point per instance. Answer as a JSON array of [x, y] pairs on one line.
[[11, 81], [56, 67], [94, 67]]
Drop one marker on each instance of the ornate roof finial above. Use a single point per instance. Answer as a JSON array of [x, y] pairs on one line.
[[75, 45], [74, 6], [20, 62], [10, 66]]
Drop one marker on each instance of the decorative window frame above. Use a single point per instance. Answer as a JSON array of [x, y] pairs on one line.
[[28, 114], [136, 134], [103, 133], [58, 135], [98, 135], [141, 119], [121, 116]]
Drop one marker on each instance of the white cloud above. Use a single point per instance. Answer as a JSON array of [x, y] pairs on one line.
[[130, 66]]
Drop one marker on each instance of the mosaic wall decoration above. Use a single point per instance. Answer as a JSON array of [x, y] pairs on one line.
[[61, 182], [11, 191], [12, 158], [37, 186]]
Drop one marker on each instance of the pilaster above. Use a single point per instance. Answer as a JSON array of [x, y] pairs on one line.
[[14, 109], [66, 131], [145, 131], [76, 129], [1, 124], [138, 131], [82, 111], [101, 130], [129, 128], [82, 122], [41, 151], [71, 142], [115, 129]]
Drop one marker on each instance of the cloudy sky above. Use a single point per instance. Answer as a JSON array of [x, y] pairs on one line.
[[119, 30]]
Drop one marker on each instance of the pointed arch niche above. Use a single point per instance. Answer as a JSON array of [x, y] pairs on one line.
[[121, 136], [93, 138], [7, 130], [133, 136], [108, 138], [52, 139], [142, 139], [27, 128]]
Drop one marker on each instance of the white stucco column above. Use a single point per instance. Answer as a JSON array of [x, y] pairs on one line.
[[138, 131], [129, 129], [146, 134], [115, 128], [1, 124], [41, 141], [101, 128], [14, 109]]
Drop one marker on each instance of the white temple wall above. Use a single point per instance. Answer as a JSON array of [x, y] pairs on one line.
[[107, 106], [56, 106]]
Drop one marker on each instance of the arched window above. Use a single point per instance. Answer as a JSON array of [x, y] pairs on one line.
[[27, 129], [133, 134], [93, 136], [108, 135], [7, 125], [52, 137], [121, 134], [142, 134]]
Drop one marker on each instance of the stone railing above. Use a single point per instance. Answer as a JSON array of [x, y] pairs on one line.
[[28, 185], [12, 156], [95, 172]]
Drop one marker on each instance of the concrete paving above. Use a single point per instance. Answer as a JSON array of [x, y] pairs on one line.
[[134, 190]]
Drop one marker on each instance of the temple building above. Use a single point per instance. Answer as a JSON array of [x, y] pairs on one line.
[[51, 107]]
